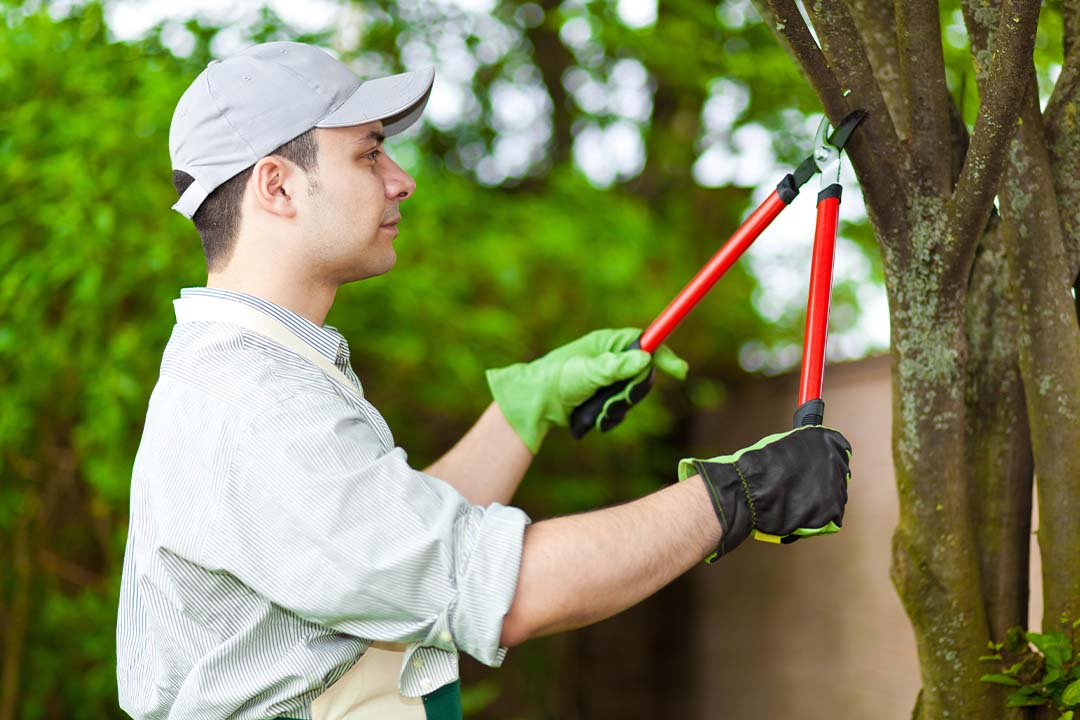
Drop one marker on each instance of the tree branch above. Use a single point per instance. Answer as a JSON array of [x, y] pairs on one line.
[[1071, 11], [1049, 341], [876, 20], [998, 443], [960, 142], [674, 125], [926, 95], [1062, 123], [885, 184], [70, 571], [979, 24], [552, 58], [796, 37], [1010, 66]]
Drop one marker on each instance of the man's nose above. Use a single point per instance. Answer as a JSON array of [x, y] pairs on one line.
[[399, 184]]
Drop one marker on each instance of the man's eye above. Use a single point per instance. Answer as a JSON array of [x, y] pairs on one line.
[[373, 155]]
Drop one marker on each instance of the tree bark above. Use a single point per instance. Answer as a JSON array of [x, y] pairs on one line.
[[998, 446], [876, 21], [1049, 339]]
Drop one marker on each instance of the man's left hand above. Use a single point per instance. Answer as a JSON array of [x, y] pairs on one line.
[[538, 395]]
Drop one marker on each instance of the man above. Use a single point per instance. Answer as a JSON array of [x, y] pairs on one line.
[[283, 558]]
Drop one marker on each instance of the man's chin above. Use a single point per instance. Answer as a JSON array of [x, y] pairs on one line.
[[385, 265]]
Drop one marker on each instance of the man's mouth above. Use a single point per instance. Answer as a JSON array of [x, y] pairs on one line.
[[392, 222]]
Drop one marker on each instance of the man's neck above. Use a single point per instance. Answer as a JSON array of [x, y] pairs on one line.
[[309, 301]]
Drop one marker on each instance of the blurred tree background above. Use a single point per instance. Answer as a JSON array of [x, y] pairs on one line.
[[579, 161]]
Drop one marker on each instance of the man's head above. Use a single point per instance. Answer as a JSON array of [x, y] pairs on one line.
[[281, 145]]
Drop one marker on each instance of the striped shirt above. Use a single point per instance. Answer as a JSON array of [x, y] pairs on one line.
[[276, 531]]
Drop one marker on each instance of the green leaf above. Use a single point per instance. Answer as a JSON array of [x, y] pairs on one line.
[[1054, 646], [1014, 639], [1022, 700], [990, 658], [1000, 680], [1068, 715], [1071, 695]]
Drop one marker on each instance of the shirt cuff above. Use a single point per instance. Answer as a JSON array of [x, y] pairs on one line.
[[487, 583]]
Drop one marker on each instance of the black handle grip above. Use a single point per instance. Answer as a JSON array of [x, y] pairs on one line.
[[811, 412], [583, 419]]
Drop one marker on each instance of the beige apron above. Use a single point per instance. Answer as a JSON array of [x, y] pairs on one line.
[[369, 689]]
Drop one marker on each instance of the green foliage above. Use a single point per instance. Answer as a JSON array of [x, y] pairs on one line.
[[1044, 668], [477, 696]]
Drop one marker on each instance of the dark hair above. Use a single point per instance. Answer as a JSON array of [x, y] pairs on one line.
[[218, 218]]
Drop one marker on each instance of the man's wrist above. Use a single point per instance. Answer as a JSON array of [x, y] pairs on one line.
[[730, 500], [522, 411]]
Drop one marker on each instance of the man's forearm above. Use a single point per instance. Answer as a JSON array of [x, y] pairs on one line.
[[581, 569], [487, 464]]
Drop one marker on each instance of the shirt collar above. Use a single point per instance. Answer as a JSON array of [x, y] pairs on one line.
[[326, 339]]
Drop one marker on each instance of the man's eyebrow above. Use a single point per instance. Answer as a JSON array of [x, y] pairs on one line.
[[375, 135]]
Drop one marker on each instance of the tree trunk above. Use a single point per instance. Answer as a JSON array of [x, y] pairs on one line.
[[986, 343]]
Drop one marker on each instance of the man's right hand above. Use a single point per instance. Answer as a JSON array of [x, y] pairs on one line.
[[788, 485]]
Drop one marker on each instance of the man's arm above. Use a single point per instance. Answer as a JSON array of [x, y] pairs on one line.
[[582, 569], [487, 464], [530, 398]]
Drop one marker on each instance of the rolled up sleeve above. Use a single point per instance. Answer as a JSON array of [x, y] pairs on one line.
[[319, 515]]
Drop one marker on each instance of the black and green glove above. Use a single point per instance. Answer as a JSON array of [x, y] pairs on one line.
[[783, 487], [543, 393]]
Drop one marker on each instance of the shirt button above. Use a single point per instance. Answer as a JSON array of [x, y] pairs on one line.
[[425, 684], [446, 637], [418, 663]]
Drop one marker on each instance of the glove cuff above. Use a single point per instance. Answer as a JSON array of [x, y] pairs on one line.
[[731, 502], [523, 411]]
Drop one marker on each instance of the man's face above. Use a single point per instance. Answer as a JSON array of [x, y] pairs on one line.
[[350, 216]]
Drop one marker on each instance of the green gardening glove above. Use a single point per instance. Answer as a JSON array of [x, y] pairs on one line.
[[783, 487], [538, 395]]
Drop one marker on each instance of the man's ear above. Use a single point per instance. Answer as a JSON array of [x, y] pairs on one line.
[[274, 185]]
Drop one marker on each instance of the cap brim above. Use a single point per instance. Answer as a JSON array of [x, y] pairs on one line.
[[397, 100]]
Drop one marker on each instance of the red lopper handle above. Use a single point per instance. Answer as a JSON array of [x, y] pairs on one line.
[[817, 304], [724, 258]]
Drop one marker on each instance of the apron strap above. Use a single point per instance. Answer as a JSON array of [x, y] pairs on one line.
[[198, 308]]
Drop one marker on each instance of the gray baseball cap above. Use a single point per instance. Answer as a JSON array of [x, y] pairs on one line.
[[244, 107]]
